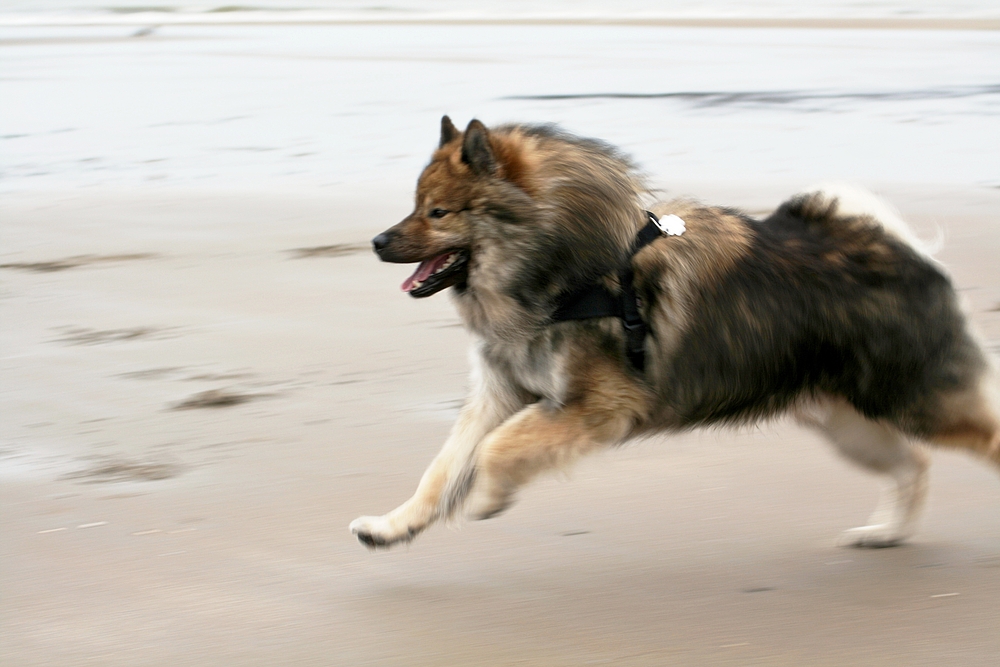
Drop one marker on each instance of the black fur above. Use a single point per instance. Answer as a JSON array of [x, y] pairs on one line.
[[823, 304]]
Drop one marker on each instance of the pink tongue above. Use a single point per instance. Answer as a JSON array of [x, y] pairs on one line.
[[426, 268]]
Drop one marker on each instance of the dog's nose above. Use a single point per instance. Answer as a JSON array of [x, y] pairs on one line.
[[380, 242]]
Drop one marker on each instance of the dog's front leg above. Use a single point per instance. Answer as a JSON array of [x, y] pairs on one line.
[[543, 436], [446, 482]]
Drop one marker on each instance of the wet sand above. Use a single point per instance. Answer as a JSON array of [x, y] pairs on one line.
[[201, 390]]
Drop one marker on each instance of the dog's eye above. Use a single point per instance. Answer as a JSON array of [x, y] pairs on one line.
[[438, 212]]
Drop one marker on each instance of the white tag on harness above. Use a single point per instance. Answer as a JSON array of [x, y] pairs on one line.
[[671, 225]]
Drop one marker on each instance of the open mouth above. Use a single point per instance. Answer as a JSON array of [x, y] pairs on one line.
[[437, 273]]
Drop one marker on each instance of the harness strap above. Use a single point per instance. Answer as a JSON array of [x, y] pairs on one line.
[[592, 301]]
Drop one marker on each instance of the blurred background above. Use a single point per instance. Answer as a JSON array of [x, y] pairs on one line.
[[326, 94], [206, 374]]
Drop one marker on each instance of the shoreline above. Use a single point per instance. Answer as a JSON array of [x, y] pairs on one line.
[[298, 18]]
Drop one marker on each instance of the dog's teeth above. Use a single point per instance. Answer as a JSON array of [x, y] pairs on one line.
[[417, 283], [448, 262]]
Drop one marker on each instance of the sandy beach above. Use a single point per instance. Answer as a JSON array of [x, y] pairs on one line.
[[197, 404], [206, 373]]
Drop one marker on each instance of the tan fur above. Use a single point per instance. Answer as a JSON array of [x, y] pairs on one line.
[[543, 436], [536, 212], [972, 422], [713, 242]]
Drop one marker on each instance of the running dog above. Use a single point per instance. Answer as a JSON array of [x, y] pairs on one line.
[[591, 327]]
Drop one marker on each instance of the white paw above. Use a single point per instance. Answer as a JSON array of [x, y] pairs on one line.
[[377, 531], [877, 536]]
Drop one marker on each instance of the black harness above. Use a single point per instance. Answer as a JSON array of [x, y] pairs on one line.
[[596, 300]]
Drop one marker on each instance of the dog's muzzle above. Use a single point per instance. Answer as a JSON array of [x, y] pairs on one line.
[[380, 243]]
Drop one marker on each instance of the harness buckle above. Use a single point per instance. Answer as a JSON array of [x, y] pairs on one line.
[[595, 300]]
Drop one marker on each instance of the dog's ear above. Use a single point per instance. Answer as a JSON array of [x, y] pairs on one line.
[[476, 150], [448, 131]]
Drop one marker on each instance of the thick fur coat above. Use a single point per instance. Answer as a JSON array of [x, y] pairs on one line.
[[828, 310]]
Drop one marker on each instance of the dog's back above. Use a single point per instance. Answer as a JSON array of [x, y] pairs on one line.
[[820, 301]]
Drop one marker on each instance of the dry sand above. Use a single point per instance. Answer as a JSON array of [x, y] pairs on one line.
[[201, 390]]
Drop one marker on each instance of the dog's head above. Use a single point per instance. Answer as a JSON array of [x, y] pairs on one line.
[[438, 233], [519, 212]]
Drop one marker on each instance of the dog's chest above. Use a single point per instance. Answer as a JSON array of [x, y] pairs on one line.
[[535, 366]]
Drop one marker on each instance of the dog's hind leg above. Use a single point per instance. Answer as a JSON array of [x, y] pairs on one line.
[[447, 480], [882, 449], [970, 420]]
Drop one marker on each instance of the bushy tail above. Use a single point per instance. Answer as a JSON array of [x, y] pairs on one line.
[[854, 201]]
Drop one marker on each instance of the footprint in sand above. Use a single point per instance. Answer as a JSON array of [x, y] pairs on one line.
[[74, 262]]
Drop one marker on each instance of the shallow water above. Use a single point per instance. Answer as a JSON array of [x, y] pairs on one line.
[[233, 106], [621, 7]]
